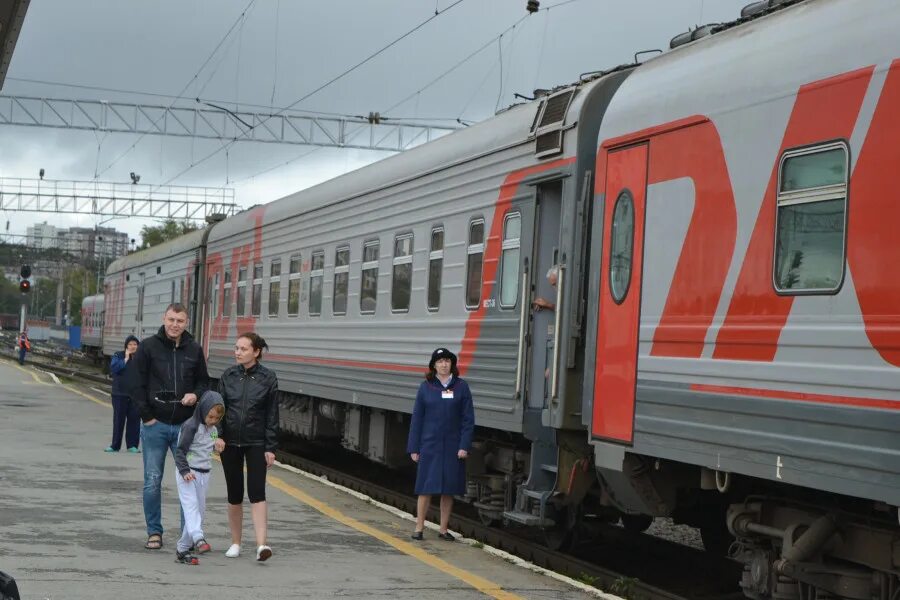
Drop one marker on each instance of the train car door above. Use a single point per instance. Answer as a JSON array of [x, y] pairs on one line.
[[546, 255], [621, 267]]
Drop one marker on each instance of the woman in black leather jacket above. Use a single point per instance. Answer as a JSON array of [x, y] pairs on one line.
[[248, 434]]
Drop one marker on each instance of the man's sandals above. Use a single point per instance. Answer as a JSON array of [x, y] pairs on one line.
[[154, 541]]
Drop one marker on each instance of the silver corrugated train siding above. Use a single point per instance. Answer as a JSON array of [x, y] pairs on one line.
[[174, 266], [378, 359], [853, 451]]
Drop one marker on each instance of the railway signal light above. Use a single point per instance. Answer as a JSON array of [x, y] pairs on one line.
[[24, 286], [25, 272]]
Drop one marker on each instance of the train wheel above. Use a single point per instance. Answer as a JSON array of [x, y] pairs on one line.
[[564, 534], [636, 523], [487, 519]]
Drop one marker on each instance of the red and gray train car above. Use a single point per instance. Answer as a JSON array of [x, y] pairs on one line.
[[725, 347], [92, 318]]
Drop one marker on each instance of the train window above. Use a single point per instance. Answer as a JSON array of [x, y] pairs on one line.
[[214, 296], [401, 278], [294, 286], [435, 268], [509, 260], [341, 280], [811, 219], [274, 287], [226, 294], [241, 294], [368, 293], [621, 246], [316, 276], [474, 262], [172, 295], [256, 292]]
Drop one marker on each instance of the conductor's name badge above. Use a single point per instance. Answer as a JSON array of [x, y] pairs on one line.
[[447, 394]]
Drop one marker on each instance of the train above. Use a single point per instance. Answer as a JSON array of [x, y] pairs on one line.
[[721, 338], [92, 318]]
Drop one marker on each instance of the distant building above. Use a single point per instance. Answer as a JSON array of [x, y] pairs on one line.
[[99, 243], [42, 235]]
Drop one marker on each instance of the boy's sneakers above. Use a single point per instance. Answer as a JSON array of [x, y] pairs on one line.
[[263, 553], [234, 551], [202, 546], [134, 450], [110, 449], [186, 558]]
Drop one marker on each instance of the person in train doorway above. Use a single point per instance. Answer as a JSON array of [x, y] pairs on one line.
[[440, 437], [24, 346], [125, 412], [248, 436], [540, 303], [168, 375]]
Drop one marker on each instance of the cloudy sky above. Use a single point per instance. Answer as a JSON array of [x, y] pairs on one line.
[[279, 52]]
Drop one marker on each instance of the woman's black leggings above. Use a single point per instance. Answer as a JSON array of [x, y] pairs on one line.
[[233, 465]]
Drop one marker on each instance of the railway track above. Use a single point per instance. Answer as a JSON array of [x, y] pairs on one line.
[[75, 370], [699, 581]]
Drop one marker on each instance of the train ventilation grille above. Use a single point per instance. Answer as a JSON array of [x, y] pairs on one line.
[[548, 130], [555, 109], [548, 143]]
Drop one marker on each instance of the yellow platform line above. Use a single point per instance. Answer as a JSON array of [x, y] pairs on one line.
[[32, 373], [479, 583], [88, 396]]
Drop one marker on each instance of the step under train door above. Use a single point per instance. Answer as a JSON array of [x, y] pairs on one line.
[[618, 324]]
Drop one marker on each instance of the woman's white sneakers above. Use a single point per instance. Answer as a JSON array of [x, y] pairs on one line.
[[263, 553]]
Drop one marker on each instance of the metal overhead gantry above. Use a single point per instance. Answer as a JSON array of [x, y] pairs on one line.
[[115, 199], [365, 133]]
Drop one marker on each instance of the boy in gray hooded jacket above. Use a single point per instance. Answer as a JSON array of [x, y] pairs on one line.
[[193, 459]]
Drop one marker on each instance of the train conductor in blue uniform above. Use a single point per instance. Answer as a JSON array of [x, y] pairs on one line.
[[440, 437]]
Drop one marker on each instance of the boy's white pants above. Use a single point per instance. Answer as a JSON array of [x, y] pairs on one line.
[[193, 502]]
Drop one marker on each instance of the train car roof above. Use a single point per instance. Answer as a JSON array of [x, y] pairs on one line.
[[507, 129], [758, 59], [184, 243]]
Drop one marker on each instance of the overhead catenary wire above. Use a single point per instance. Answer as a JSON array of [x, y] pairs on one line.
[[414, 94], [186, 86], [459, 119], [316, 90], [275, 59]]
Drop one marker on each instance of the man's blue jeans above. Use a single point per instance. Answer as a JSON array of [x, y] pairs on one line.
[[156, 440]]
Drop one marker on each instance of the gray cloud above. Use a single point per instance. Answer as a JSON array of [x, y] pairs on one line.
[[159, 46]]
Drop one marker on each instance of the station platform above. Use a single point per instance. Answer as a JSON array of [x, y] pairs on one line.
[[72, 525]]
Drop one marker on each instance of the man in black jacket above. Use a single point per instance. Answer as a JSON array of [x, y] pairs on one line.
[[168, 375]]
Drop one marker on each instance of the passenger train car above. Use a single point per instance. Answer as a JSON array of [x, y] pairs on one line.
[[92, 318], [725, 342]]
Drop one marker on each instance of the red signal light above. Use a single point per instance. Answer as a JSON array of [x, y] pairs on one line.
[[24, 286]]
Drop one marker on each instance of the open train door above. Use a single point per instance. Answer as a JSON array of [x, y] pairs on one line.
[[618, 324]]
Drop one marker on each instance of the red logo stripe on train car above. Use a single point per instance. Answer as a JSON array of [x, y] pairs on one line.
[[799, 396], [826, 109], [873, 253], [695, 152]]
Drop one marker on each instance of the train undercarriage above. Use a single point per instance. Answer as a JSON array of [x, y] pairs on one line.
[[794, 544]]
